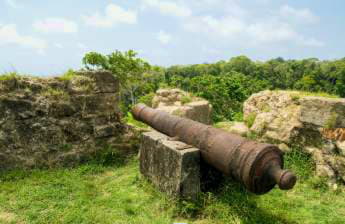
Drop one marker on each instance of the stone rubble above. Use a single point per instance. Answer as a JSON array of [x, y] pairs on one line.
[[294, 119], [181, 103]]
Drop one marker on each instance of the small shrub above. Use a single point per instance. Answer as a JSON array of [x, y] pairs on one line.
[[238, 116], [9, 76], [186, 99], [129, 119], [147, 99], [252, 135], [56, 94], [318, 183], [68, 75], [109, 156], [300, 162], [164, 85], [295, 97], [250, 119]]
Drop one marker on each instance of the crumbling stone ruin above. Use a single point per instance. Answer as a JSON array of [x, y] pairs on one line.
[[294, 119], [181, 103], [58, 121]]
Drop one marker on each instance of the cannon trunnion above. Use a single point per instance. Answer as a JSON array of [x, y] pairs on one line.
[[258, 166]]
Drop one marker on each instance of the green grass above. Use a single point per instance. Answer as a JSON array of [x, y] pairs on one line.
[[250, 119], [56, 94], [186, 99], [67, 75], [129, 119], [300, 94], [9, 76], [118, 194]]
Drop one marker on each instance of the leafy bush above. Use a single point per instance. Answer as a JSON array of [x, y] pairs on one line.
[[250, 119], [67, 75], [147, 99], [9, 76], [186, 99]]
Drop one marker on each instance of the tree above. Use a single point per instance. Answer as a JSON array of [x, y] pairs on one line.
[[129, 69]]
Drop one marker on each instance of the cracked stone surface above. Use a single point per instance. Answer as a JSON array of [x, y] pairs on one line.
[[48, 122], [172, 166]]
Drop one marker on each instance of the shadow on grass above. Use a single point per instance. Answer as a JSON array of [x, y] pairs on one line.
[[244, 205], [229, 203], [107, 158], [226, 200]]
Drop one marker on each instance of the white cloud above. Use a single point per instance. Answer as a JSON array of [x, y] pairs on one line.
[[224, 27], [240, 31], [9, 35], [56, 25], [164, 37], [58, 45], [312, 42], [168, 8], [300, 15], [114, 14], [271, 32], [12, 3]]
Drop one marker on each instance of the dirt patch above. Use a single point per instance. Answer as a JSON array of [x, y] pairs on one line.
[[8, 217]]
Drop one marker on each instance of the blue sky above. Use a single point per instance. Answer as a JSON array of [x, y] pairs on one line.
[[43, 37]]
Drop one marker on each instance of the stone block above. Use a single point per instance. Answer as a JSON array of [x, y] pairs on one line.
[[172, 166]]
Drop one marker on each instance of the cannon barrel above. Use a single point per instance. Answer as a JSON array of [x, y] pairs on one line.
[[258, 166]]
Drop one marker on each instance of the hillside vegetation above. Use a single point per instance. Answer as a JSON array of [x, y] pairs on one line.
[[226, 84]]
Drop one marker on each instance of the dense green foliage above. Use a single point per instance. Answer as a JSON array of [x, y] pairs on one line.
[[226, 84]]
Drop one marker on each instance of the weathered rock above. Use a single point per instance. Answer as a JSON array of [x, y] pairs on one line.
[[239, 128], [323, 112], [172, 166], [52, 122], [291, 118], [341, 147], [285, 148], [180, 103]]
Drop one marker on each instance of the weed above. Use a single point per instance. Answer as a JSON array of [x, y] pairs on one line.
[[238, 116], [250, 119], [296, 95], [68, 75], [147, 99], [186, 99], [56, 94], [252, 135], [129, 119], [9, 76]]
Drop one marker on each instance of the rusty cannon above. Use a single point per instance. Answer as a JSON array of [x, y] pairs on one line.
[[258, 166]]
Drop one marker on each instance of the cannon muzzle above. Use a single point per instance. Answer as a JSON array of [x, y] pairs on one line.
[[258, 166]]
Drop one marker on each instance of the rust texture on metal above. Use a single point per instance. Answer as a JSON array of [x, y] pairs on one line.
[[258, 166]]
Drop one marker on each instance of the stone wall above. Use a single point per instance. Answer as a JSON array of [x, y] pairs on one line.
[[58, 121]]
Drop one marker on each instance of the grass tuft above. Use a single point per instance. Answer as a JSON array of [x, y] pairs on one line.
[[9, 76], [67, 75]]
